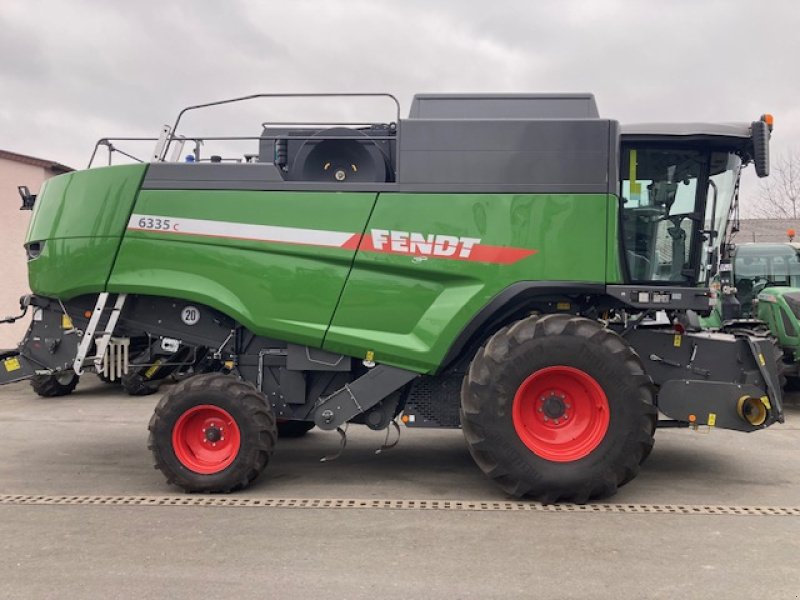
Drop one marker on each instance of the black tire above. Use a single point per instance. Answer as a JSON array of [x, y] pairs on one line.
[[510, 359], [105, 379], [50, 386], [294, 429], [253, 419], [136, 385]]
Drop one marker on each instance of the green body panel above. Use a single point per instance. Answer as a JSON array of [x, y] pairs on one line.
[[408, 310], [771, 303], [284, 291], [81, 217], [404, 310], [72, 267]]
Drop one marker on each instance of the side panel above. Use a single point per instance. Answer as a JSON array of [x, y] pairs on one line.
[[405, 303], [274, 261], [80, 217], [613, 258]]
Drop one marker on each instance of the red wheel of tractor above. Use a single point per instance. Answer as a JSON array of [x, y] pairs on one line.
[[206, 439], [212, 433], [557, 407], [561, 413]]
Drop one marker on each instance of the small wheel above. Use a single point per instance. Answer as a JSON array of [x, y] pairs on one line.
[[136, 385], [212, 433], [58, 384], [294, 429], [558, 408]]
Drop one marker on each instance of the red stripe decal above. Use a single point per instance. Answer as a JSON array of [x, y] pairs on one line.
[[352, 243], [500, 255]]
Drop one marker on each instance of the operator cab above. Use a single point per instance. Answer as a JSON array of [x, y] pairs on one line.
[[678, 188]]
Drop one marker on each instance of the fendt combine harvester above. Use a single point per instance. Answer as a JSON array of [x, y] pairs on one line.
[[515, 265]]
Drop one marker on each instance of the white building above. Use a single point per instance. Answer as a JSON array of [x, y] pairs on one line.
[[17, 169]]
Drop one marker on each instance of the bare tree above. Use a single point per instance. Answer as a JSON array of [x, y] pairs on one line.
[[779, 194]]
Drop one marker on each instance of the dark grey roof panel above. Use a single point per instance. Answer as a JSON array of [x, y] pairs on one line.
[[165, 175], [468, 155], [733, 130], [553, 154], [503, 106]]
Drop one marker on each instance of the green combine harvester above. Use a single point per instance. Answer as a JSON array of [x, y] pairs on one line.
[[511, 264], [759, 290]]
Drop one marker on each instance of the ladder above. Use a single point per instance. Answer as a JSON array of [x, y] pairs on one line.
[[102, 338]]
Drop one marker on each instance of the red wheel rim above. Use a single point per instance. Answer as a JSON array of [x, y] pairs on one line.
[[561, 413], [206, 439]]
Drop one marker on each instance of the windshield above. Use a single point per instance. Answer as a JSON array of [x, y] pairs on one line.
[[670, 209]]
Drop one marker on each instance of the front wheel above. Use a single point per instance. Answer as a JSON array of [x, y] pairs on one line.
[[58, 384], [558, 408], [212, 433]]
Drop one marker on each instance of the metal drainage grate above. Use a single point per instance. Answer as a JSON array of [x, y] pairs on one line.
[[449, 505]]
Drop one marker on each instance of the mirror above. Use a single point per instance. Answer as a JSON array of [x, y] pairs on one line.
[[760, 135], [28, 199]]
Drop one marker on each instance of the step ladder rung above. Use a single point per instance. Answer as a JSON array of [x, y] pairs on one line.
[[91, 334]]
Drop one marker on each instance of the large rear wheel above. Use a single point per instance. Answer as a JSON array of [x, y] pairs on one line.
[[558, 408], [212, 433]]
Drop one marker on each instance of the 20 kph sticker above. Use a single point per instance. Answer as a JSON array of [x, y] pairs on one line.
[[190, 315]]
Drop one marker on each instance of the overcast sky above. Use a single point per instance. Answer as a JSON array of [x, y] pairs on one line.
[[74, 71]]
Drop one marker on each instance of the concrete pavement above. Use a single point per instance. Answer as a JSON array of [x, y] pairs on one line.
[[93, 444]]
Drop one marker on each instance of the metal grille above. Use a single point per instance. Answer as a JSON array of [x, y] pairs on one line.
[[435, 401], [375, 504]]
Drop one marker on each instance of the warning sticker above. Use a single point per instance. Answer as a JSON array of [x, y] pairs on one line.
[[12, 364]]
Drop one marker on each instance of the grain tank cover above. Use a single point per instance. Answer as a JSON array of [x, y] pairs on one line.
[[503, 106]]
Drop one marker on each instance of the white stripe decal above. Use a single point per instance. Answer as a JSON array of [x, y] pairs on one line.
[[241, 231]]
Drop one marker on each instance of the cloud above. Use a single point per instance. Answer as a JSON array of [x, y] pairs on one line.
[[87, 68]]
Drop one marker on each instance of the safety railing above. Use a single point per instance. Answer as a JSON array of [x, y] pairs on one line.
[[170, 144]]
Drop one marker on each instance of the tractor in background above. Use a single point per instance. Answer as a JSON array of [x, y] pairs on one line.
[[759, 290]]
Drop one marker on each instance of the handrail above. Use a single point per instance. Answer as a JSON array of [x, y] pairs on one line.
[[172, 135], [107, 141]]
